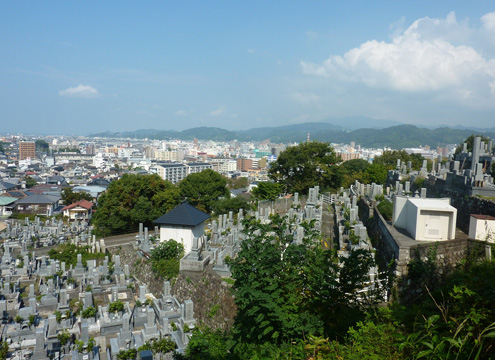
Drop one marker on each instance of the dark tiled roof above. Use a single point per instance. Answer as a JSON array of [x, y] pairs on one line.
[[39, 199], [183, 214]]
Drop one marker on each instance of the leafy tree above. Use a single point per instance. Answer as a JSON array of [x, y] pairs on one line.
[[267, 190], [163, 346], [165, 258], [32, 320], [204, 188], [235, 203], [89, 312], [355, 166], [377, 173], [237, 183], [30, 182], [386, 208], [70, 197], [209, 345], [116, 306], [4, 348], [283, 290], [42, 145], [389, 159], [58, 316], [131, 200], [470, 142], [64, 337], [306, 165], [19, 319], [130, 354]]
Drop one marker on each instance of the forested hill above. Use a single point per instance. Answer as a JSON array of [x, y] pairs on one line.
[[396, 137]]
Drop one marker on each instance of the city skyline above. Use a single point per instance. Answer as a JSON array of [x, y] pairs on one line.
[[92, 67]]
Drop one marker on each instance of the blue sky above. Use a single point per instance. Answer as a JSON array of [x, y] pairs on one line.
[[84, 67]]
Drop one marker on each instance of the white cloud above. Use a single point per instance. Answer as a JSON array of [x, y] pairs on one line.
[[82, 91], [251, 51], [218, 111], [181, 113], [306, 98], [431, 55], [311, 35]]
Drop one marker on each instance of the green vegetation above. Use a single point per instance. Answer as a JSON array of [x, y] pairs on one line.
[[4, 347], [89, 312], [203, 189], [131, 200], [70, 197], [389, 159], [159, 346], [470, 142], [306, 165], [19, 319], [68, 253], [116, 306], [364, 172], [165, 259], [237, 183], [386, 208], [267, 191], [30, 182], [42, 145], [64, 337], [130, 354], [223, 206]]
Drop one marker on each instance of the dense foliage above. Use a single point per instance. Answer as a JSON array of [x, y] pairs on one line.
[[267, 190], [386, 208], [68, 253], [389, 159], [165, 258], [364, 172], [204, 188], [70, 197], [470, 142], [131, 200], [42, 145], [235, 203], [306, 165]]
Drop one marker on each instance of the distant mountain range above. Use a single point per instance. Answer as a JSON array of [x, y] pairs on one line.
[[366, 132]]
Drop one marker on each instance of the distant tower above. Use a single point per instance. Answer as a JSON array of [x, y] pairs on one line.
[[308, 138]]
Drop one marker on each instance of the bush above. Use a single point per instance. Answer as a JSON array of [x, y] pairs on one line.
[[386, 208]]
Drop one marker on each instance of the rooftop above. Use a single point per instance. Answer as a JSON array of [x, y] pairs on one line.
[[183, 214]]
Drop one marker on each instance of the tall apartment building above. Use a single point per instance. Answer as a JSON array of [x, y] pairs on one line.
[[244, 164], [193, 168], [27, 149], [172, 172]]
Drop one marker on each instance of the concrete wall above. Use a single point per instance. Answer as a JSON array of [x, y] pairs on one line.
[[481, 229], [182, 234]]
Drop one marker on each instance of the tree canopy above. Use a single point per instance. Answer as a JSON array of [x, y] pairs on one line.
[[470, 142], [234, 204], [70, 197], [267, 190], [389, 159], [42, 145], [133, 199], [165, 258], [306, 165], [203, 189]]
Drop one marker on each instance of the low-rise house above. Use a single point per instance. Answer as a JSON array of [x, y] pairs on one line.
[[7, 206], [38, 204], [81, 210]]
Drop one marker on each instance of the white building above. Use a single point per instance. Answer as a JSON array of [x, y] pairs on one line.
[[482, 227], [172, 172], [193, 168], [425, 219], [182, 224]]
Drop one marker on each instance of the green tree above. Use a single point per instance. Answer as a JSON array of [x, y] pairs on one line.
[[389, 159], [165, 258], [203, 189], [377, 173], [355, 166], [89, 312], [237, 183], [64, 337], [70, 197], [235, 203], [386, 208], [19, 319], [131, 200], [30, 182], [283, 290], [42, 145], [32, 320], [470, 142], [267, 190], [4, 350], [306, 165], [116, 306]]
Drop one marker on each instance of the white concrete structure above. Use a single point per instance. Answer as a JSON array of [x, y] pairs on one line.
[[482, 227], [182, 224], [425, 219]]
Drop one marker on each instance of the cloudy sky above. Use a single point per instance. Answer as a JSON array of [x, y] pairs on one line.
[[83, 67]]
